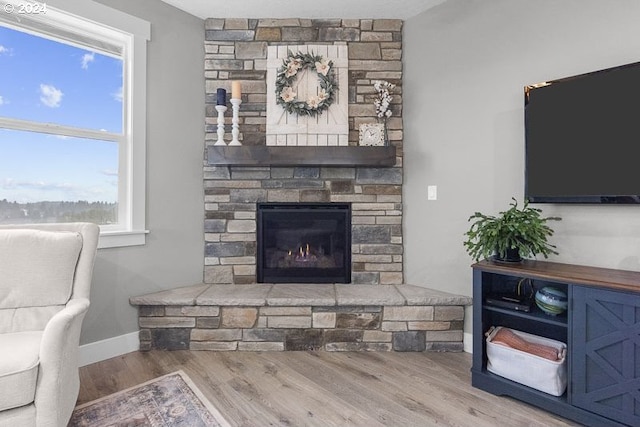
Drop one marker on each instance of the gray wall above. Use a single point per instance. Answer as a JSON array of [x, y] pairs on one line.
[[172, 256], [466, 62]]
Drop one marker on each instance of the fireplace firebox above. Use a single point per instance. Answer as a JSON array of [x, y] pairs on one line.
[[304, 243]]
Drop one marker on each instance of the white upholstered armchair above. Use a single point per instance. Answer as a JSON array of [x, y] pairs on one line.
[[45, 279]]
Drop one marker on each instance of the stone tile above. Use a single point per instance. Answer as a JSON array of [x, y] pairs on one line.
[[193, 311], [261, 346], [343, 335], [306, 172], [358, 346], [409, 341], [167, 322], [301, 295], [408, 313], [289, 322], [339, 34], [377, 336], [367, 36], [215, 225], [151, 311], [237, 317], [444, 336], [449, 313], [364, 51], [170, 339], [378, 175], [263, 334], [429, 326], [208, 322], [387, 25], [248, 195], [268, 34], [229, 35], [144, 335], [358, 320], [299, 34], [394, 326], [285, 311], [241, 226], [238, 260], [370, 234], [323, 320], [279, 22], [225, 295], [236, 24], [226, 249], [303, 339], [213, 24], [283, 196], [218, 274], [216, 334], [337, 173], [214, 345], [315, 196], [368, 295], [179, 296], [387, 278], [457, 347], [418, 295], [369, 278]]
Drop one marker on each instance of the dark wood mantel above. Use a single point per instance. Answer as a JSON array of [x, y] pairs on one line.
[[301, 156]]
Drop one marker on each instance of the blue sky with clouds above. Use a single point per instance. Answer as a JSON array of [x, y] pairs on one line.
[[46, 81]]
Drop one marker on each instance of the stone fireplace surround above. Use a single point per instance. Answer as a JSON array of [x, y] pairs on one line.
[[236, 49], [229, 311]]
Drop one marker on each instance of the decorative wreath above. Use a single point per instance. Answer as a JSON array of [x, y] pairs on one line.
[[286, 95]]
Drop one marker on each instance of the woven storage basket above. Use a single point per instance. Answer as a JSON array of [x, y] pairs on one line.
[[526, 368]]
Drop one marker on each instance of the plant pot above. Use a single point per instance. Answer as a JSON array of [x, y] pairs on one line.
[[511, 255]]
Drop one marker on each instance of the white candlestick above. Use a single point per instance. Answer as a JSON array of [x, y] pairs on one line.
[[221, 109], [235, 129]]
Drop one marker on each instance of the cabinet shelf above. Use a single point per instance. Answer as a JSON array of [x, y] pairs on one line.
[[263, 155], [535, 314]]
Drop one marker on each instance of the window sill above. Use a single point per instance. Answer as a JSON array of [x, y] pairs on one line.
[[117, 239]]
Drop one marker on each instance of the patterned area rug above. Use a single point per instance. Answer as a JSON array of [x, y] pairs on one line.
[[168, 401]]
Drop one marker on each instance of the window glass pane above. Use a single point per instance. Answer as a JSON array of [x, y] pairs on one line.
[[48, 178], [51, 82]]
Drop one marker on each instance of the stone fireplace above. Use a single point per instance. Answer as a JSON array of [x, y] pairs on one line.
[[304, 243], [239, 182], [236, 49]]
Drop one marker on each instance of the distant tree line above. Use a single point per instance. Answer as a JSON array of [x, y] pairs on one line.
[[37, 212]]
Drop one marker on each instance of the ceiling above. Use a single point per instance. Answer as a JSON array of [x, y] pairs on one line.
[[314, 9]]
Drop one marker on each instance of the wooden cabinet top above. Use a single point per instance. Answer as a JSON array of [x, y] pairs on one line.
[[567, 273]]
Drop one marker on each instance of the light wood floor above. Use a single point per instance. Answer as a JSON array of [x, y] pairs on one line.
[[324, 389]]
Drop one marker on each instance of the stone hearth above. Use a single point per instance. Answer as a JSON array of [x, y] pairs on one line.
[[329, 317]]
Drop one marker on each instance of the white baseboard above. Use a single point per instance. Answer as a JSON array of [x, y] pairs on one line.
[[467, 342], [106, 349]]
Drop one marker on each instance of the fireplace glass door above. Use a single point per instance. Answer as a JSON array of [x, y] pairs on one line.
[[304, 243]]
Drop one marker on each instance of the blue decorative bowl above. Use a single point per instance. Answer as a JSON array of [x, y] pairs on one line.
[[551, 300]]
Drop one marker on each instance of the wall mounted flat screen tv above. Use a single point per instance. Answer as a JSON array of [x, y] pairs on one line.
[[582, 138]]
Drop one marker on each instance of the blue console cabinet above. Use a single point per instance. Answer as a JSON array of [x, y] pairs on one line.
[[601, 328]]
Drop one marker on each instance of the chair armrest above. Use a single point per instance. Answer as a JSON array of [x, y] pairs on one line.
[[58, 379]]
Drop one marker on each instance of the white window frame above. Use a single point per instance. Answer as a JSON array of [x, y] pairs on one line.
[[99, 22]]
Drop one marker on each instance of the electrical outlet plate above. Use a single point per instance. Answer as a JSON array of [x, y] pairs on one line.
[[432, 192]]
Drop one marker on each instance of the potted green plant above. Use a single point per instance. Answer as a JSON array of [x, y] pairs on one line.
[[511, 235]]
